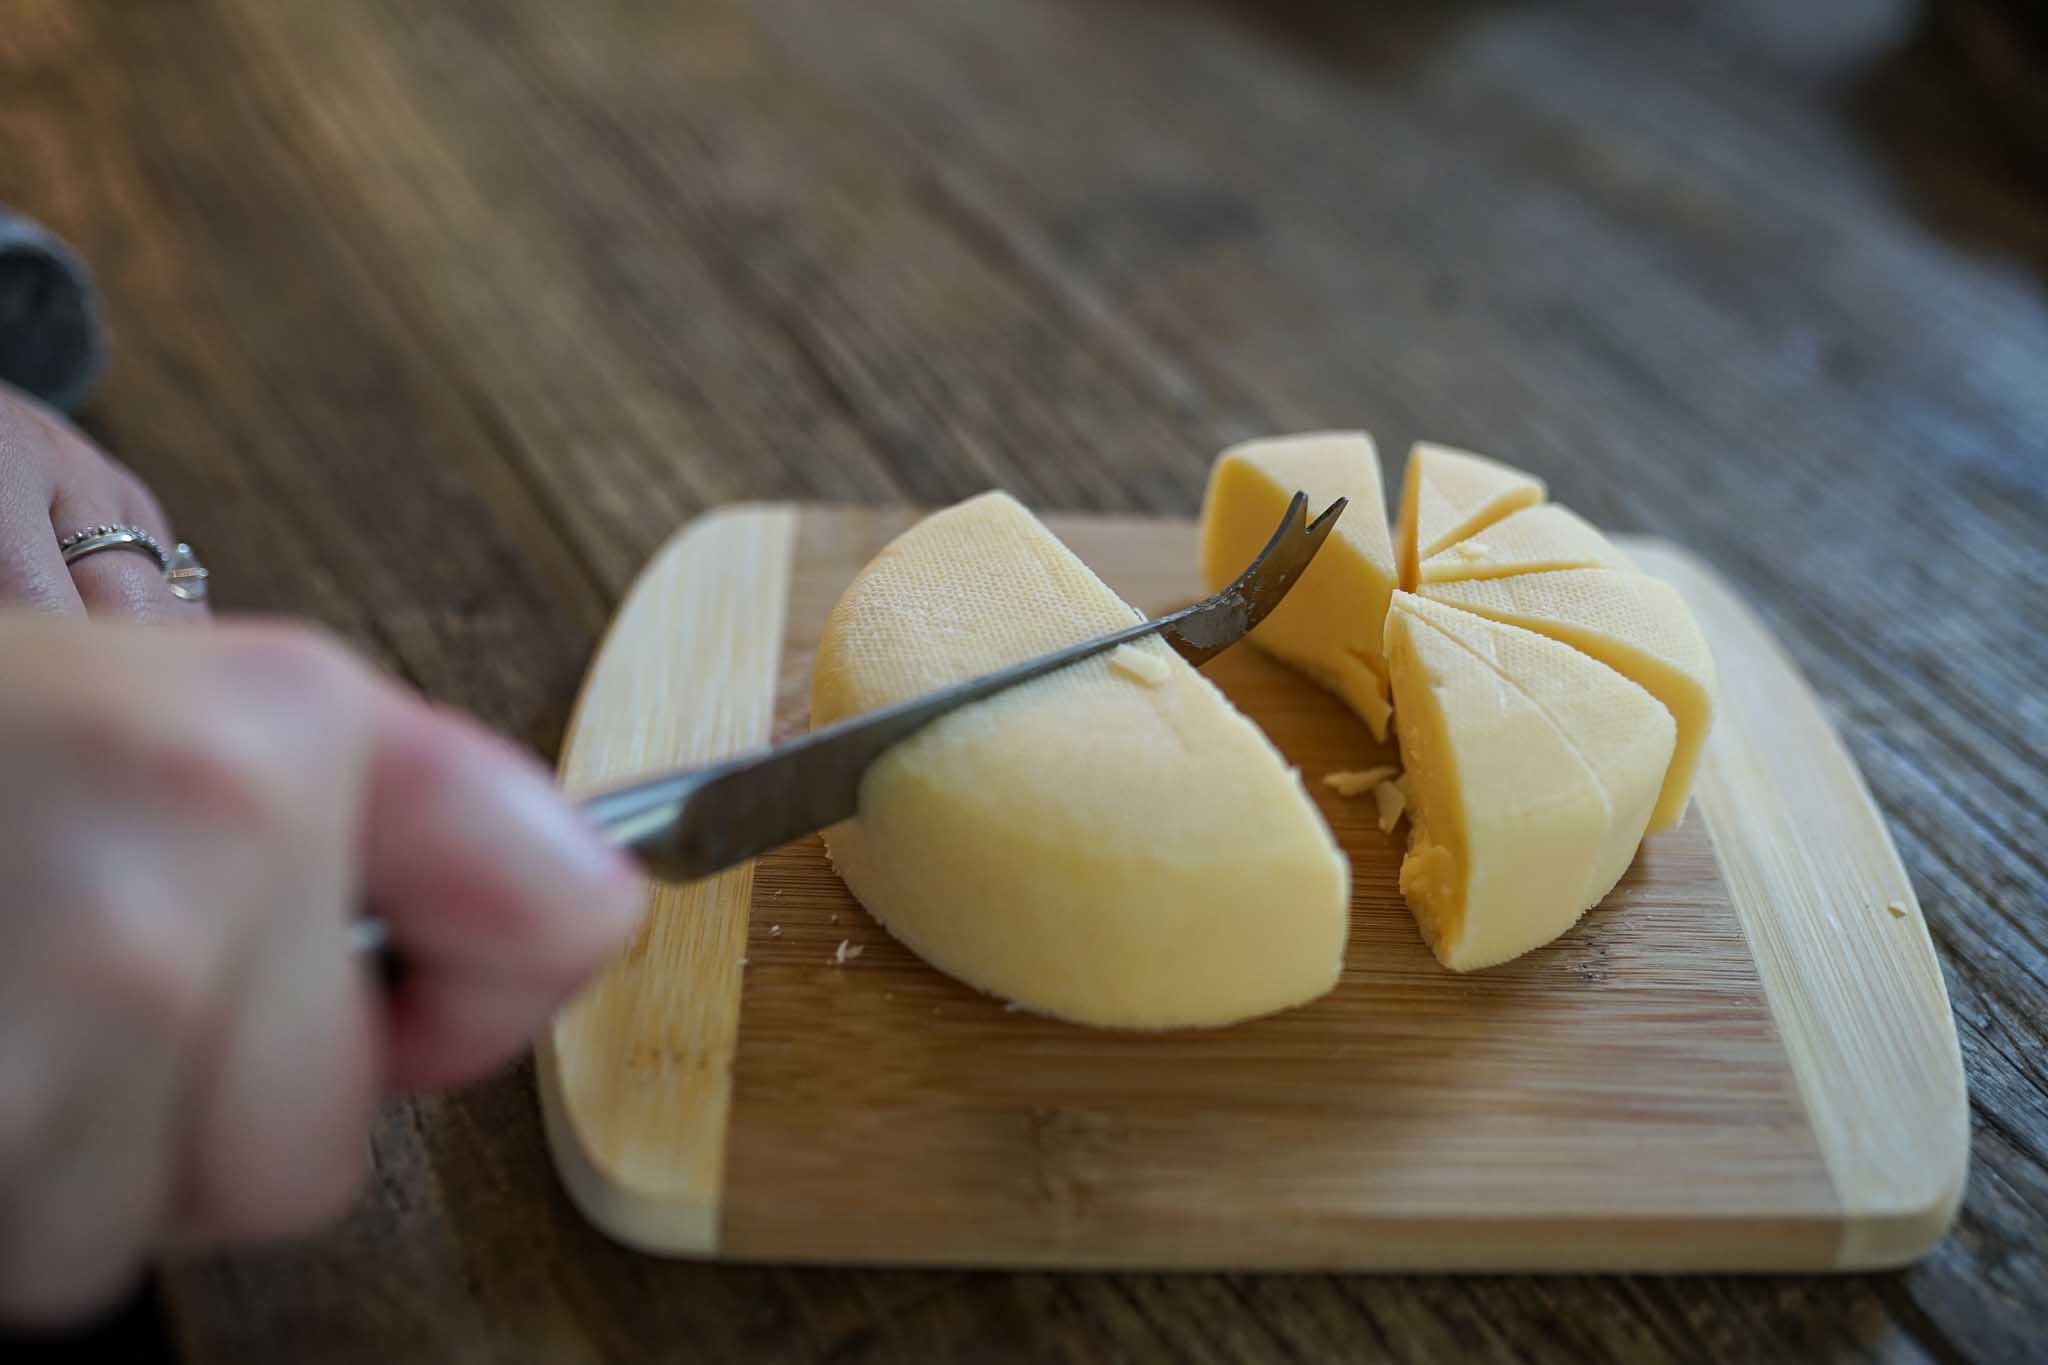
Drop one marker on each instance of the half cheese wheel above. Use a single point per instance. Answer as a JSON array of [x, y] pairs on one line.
[[1116, 846], [1532, 540], [1331, 623], [1637, 625], [1533, 769], [1447, 495]]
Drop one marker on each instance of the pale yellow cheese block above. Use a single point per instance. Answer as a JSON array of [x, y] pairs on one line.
[[1113, 845], [1534, 769], [1330, 625], [1533, 540], [1447, 495], [1637, 625]]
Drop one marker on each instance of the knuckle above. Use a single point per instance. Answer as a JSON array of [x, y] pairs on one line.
[[138, 965], [208, 775]]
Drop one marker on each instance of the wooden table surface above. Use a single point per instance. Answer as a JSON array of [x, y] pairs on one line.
[[431, 321]]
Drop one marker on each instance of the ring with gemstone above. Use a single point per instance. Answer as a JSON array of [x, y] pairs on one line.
[[181, 569]]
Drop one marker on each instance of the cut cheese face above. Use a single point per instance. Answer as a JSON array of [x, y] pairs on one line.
[[1636, 625], [1533, 769], [1532, 540], [1112, 844], [1331, 623], [1448, 495]]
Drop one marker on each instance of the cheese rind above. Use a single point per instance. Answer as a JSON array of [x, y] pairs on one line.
[[1331, 623], [1533, 540], [1111, 852], [1447, 495], [1534, 769], [1635, 624]]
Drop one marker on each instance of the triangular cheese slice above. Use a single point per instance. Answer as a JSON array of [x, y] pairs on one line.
[[1637, 625], [1509, 842], [1113, 844], [1449, 494], [1331, 623], [1532, 540]]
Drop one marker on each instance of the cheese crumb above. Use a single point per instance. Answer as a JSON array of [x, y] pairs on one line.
[[1142, 665], [1898, 911], [775, 931], [1470, 551], [846, 952], [1391, 804], [1357, 783]]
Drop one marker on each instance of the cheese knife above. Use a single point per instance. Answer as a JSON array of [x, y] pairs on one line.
[[697, 821]]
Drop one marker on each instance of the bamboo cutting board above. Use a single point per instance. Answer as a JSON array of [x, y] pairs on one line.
[[1742, 1059]]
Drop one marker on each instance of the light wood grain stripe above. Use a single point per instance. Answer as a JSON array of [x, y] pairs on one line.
[[1838, 937], [636, 1073]]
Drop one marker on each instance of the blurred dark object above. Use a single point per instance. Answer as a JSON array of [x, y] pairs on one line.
[[51, 341], [133, 1334], [2004, 46]]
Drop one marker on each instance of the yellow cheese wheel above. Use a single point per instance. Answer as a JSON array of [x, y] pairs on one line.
[[1529, 541], [1448, 494], [1331, 623], [1636, 625], [1113, 844], [1533, 769]]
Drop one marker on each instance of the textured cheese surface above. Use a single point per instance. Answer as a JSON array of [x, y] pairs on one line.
[[1093, 846], [1331, 623], [1532, 540], [1447, 495], [1637, 625], [1534, 770]]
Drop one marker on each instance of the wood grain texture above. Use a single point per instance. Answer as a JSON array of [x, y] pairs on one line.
[[636, 1074], [432, 322], [1837, 936], [1623, 1099]]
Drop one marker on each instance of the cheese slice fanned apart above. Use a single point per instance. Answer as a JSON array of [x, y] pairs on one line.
[[1533, 770], [1109, 845], [1331, 623], [1532, 540], [1447, 495], [1635, 624]]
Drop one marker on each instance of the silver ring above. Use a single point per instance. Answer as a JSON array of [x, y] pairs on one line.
[[181, 569]]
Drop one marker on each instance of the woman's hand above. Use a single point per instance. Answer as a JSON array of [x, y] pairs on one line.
[[53, 482], [189, 819]]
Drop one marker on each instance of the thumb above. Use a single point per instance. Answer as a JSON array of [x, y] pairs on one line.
[[500, 897]]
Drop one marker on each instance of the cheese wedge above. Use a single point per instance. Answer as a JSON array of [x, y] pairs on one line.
[[1637, 625], [1110, 845], [1532, 540], [1447, 495], [1331, 623], [1533, 770]]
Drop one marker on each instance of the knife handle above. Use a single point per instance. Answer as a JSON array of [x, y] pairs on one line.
[[643, 815]]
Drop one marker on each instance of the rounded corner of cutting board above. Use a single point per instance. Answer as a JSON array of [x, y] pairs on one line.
[[633, 1217], [1837, 932]]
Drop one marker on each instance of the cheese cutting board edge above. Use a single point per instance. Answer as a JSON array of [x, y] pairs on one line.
[[1743, 1060]]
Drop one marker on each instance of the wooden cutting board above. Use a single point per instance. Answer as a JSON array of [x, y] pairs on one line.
[[1742, 1059]]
